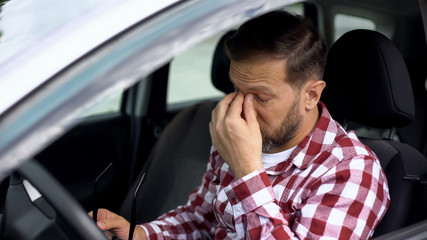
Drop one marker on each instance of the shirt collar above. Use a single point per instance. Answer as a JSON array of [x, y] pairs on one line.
[[322, 136]]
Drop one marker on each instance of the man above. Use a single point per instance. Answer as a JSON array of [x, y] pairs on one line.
[[280, 166]]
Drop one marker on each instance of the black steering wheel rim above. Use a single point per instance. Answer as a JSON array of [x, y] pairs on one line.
[[60, 200]]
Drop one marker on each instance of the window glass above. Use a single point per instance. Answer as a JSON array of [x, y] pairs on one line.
[[189, 75], [344, 23], [110, 104], [190, 72], [296, 8]]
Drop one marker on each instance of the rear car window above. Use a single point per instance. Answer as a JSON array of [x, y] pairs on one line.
[[345, 22]]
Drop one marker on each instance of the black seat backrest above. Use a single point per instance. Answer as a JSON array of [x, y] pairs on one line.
[[180, 156], [176, 164], [368, 83], [221, 66]]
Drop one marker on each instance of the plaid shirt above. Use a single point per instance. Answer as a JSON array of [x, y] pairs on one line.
[[331, 187]]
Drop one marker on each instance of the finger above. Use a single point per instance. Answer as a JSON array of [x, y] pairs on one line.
[[229, 98], [222, 107], [212, 134], [249, 110], [104, 213], [236, 106], [115, 222]]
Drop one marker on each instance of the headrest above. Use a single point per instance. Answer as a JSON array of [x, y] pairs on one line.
[[367, 81], [221, 66]]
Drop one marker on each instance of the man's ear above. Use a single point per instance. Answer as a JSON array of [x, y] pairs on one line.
[[313, 90]]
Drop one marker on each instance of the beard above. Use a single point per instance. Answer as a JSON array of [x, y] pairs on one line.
[[285, 132]]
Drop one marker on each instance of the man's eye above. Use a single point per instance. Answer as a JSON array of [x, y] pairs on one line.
[[263, 100]]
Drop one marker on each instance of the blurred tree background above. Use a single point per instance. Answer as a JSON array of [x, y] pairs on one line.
[[2, 2]]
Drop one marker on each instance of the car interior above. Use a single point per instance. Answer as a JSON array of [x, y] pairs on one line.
[[375, 75]]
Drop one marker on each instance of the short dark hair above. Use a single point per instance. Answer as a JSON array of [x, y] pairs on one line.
[[281, 35]]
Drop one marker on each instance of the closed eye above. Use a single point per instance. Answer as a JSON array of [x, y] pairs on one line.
[[262, 99]]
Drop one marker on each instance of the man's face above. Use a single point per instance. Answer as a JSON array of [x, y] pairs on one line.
[[277, 103]]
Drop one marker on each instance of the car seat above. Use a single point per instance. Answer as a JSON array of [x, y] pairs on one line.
[[179, 159], [367, 83]]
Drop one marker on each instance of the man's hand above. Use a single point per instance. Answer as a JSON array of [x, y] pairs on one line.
[[117, 225], [236, 134]]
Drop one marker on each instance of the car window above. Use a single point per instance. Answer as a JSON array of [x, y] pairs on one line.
[[108, 105], [345, 22], [296, 8], [193, 68]]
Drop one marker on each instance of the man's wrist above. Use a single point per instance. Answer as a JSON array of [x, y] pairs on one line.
[[245, 169], [243, 172], [139, 234]]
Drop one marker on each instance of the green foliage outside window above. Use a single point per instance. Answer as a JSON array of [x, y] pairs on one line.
[[2, 2]]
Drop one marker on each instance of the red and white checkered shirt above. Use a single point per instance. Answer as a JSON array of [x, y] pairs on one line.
[[331, 187]]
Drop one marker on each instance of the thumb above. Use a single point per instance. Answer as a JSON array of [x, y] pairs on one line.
[[102, 225], [249, 110]]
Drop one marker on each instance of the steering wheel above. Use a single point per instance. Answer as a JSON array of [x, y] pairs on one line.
[[73, 216]]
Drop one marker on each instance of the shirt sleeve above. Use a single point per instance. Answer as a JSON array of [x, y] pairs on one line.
[[195, 220], [256, 211]]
